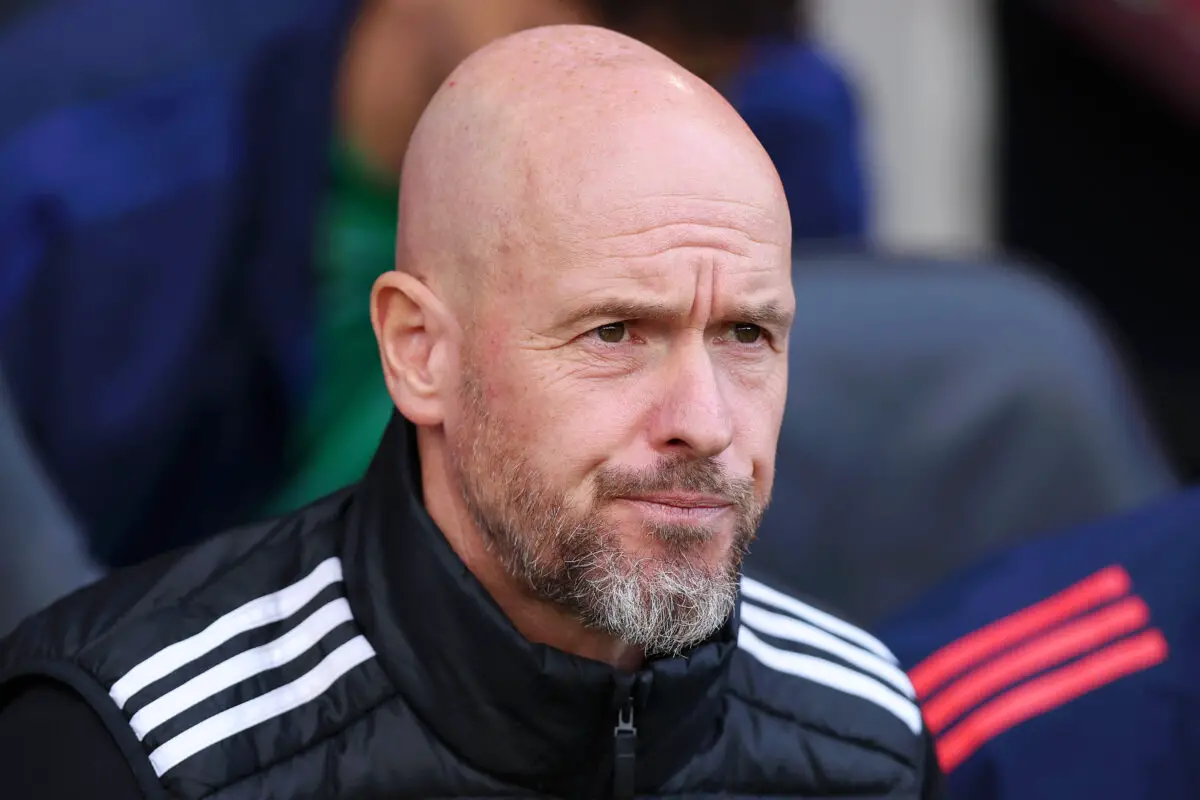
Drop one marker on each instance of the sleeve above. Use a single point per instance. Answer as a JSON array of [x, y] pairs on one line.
[[54, 747]]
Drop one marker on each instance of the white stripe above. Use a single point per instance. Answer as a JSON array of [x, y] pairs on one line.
[[243, 666], [760, 592], [792, 629], [279, 701], [835, 676], [254, 614]]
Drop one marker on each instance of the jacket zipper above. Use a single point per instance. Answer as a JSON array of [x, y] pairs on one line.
[[624, 751]]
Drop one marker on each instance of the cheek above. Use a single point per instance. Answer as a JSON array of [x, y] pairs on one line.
[[569, 425], [758, 415]]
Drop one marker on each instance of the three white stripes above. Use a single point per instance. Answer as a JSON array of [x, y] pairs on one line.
[[881, 681], [257, 613], [264, 707]]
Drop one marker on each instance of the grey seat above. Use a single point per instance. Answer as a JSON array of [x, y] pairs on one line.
[[937, 411], [42, 556]]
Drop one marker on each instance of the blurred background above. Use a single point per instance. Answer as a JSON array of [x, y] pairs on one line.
[[994, 204]]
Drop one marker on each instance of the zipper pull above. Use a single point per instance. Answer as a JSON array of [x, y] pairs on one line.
[[624, 752]]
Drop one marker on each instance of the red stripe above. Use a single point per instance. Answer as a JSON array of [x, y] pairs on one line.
[[1049, 692], [1051, 649], [1108, 584]]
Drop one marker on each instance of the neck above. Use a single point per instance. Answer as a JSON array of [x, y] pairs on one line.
[[537, 620]]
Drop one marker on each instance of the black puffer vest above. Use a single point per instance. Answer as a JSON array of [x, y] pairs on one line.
[[345, 652]]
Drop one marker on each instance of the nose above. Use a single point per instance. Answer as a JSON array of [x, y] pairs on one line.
[[693, 416]]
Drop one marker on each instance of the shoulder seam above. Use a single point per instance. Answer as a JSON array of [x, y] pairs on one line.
[[189, 595], [759, 592], [832, 675], [791, 629], [821, 730], [848, 659]]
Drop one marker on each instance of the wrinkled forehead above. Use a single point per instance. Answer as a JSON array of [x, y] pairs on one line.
[[652, 196]]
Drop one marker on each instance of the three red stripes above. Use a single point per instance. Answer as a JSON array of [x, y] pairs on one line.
[[972, 691]]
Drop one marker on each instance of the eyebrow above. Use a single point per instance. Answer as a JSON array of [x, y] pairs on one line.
[[771, 316]]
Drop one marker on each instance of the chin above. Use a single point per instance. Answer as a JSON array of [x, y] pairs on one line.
[[710, 549]]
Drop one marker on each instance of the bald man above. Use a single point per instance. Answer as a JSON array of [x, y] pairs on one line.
[[536, 590]]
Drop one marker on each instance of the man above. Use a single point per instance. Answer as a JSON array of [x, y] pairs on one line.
[[1068, 667], [532, 592]]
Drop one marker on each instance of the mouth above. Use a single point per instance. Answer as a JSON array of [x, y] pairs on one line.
[[681, 500], [680, 507]]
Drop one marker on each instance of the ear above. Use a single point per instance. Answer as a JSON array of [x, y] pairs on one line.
[[417, 339]]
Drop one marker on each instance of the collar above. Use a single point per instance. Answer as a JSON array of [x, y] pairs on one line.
[[518, 711]]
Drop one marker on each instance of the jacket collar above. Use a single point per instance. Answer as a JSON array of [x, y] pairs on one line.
[[518, 711]]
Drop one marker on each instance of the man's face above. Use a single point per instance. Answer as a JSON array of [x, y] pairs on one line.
[[622, 388]]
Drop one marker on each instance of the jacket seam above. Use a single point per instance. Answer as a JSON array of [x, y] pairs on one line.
[[188, 596], [821, 730]]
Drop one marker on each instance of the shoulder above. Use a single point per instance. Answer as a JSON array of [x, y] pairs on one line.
[[238, 634], [1099, 617], [1153, 552], [814, 672], [187, 583]]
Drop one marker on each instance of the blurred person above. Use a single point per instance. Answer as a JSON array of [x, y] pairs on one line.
[[534, 590], [792, 94], [194, 202], [1067, 667]]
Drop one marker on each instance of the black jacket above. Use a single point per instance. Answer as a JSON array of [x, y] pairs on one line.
[[345, 651]]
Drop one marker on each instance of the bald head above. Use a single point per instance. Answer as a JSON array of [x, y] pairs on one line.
[[538, 131], [589, 329]]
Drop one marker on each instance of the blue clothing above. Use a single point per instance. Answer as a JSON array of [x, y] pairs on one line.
[[160, 167], [803, 110], [1069, 667]]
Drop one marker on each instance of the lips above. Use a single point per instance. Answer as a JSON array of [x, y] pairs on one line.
[[682, 500]]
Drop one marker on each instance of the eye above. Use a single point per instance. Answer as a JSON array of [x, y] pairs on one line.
[[747, 333], [613, 333]]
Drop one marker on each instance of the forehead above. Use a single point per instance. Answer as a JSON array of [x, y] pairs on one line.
[[651, 180], [676, 254], [637, 162], [656, 202]]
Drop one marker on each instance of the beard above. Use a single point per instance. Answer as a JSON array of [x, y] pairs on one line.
[[573, 557]]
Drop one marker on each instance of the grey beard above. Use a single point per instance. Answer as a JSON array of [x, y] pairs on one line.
[[574, 559]]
